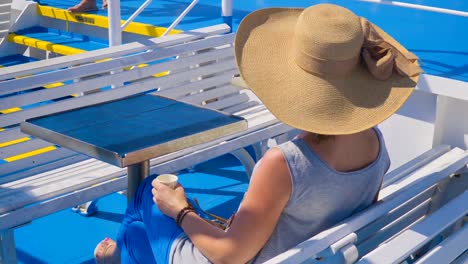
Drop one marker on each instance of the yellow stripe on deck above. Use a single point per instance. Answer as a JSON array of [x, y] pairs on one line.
[[159, 74], [10, 110], [43, 45], [101, 21], [30, 154], [12, 142], [53, 85]]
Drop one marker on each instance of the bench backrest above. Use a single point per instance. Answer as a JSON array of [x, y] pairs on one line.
[[409, 243], [5, 12], [401, 203], [195, 67]]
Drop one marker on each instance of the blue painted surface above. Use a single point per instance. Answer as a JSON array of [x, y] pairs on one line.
[[14, 60], [64, 38]]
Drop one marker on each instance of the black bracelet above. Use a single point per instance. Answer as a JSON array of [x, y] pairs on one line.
[[188, 207], [183, 216]]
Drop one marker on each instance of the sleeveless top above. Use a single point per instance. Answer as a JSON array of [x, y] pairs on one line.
[[320, 198]]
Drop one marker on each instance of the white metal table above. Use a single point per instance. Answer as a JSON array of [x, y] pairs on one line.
[[131, 131]]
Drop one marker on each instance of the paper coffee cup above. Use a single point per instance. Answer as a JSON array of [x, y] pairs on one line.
[[168, 180]]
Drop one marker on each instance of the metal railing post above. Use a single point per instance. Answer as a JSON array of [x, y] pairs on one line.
[[226, 12], [178, 19], [137, 12], [115, 32]]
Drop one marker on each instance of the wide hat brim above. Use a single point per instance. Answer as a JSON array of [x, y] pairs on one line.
[[330, 106]]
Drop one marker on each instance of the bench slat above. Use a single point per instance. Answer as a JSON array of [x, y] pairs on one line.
[[11, 134], [414, 164], [51, 187], [251, 110], [449, 249], [23, 147], [400, 247], [91, 69], [105, 80], [239, 100], [393, 228], [182, 90], [366, 232], [117, 51], [87, 170], [215, 93], [20, 183], [23, 168]]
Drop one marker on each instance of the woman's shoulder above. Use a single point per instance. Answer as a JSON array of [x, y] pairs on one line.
[[274, 158]]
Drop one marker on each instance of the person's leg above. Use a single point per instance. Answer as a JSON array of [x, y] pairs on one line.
[[104, 4], [161, 230], [125, 247], [107, 252], [136, 239], [84, 6]]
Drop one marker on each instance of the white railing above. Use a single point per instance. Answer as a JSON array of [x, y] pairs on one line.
[[134, 15], [115, 29], [179, 18], [420, 7]]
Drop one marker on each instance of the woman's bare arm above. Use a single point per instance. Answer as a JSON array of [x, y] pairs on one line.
[[267, 195]]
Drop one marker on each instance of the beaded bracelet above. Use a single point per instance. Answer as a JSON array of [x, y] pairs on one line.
[[183, 216], [181, 212]]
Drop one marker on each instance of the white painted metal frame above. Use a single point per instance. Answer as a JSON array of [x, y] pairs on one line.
[[180, 17], [135, 14], [415, 237], [115, 30], [420, 7], [5, 14]]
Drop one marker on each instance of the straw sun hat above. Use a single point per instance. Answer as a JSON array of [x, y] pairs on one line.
[[323, 69]]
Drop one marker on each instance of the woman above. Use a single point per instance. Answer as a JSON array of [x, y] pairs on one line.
[[322, 70]]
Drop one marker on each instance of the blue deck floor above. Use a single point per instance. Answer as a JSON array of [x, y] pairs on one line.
[[66, 237]]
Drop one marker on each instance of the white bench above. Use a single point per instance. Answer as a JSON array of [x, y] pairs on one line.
[[201, 65], [407, 244], [5, 12], [410, 193]]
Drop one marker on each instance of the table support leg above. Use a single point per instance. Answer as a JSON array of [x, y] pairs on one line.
[[136, 174]]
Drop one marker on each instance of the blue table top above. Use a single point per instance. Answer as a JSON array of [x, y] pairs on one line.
[[134, 129]]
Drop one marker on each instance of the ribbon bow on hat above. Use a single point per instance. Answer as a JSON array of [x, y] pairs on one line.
[[381, 57]]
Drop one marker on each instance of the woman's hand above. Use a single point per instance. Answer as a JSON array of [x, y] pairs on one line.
[[170, 201]]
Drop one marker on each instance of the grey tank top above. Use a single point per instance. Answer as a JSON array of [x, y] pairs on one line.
[[320, 198]]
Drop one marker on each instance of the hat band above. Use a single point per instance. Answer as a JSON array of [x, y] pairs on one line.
[[382, 58], [324, 67]]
